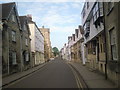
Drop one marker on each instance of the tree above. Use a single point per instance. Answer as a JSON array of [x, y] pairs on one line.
[[55, 51]]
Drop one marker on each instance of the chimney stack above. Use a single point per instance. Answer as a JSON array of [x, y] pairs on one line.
[[29, 17]]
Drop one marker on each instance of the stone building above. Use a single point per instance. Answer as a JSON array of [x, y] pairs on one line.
[[78, 45], [92, 21], [11, 39], [25, 42], [72, 48], [47, 42], [37, 43], [69, 45], [112, 32]]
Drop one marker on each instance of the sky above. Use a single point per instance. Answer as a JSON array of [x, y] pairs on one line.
[[61, 17]]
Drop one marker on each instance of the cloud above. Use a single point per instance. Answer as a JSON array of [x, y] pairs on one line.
[[61, 18]]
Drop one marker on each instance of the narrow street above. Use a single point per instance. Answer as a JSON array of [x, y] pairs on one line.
[[56, 74]]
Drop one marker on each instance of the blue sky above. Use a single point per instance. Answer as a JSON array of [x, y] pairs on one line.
[[61, 17]]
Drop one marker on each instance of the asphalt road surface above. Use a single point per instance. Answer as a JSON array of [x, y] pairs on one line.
[[56, 74]]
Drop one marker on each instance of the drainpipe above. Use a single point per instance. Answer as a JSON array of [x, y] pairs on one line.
[[105, 42], [21, 50], [8, 51], [8, 68]]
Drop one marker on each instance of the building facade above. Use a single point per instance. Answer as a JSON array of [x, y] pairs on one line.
[[11, 39], [26, 61], [72, 48], [92, 20], [47, 42], [37, 43], [112, 32], [69, 45]]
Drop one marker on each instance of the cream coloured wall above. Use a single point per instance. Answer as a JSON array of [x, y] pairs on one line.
[[37, 43]]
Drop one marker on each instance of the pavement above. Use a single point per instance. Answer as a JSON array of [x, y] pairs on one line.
[[11, 78], [91, 78]]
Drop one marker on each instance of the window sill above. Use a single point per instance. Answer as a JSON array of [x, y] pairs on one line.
[[15, 64], [109, 11]]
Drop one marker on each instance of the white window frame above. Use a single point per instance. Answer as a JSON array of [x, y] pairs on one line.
[[13, 36], [14, 60]]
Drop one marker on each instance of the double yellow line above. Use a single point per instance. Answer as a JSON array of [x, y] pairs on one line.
[[79, 84]]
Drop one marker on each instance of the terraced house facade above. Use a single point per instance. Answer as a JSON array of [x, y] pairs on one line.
[[22, 41], [11, 39], [26, 43], [92, 20], [112, 32]]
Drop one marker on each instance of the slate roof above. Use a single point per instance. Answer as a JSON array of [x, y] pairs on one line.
[[6, 9]]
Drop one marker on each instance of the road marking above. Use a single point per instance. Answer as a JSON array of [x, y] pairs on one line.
[[79, 84]]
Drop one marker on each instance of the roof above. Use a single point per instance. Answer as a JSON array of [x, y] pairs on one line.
[[6, 9]]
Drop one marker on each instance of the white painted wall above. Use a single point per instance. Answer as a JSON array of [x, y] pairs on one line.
[[93, 31], [37, 43]]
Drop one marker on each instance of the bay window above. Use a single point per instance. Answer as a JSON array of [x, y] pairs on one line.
[[97, 11]]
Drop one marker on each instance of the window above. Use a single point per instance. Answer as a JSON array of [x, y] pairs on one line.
[[101, 8], [24, 27], [13, 18], [87, 29], [13, 36], [14, 58], [27, 57], [102, 43], [95, 12], [113, 44], [26, 41], [110, 6]]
